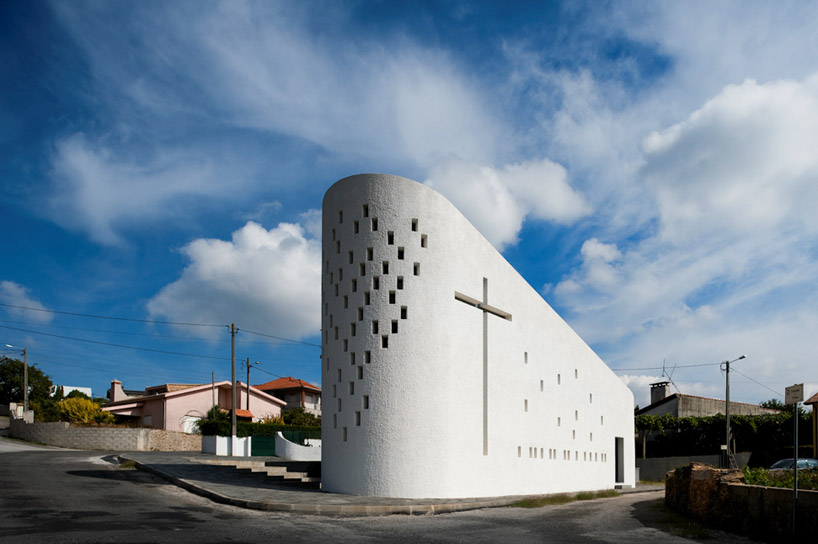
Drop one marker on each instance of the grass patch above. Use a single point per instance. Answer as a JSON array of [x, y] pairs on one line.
[[564, 498], [128, 465]]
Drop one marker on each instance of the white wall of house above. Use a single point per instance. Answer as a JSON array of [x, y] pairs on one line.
[[404, 411]]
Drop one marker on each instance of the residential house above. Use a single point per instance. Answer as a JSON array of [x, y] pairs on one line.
[[677, 404], [296, 393], [176, 407]]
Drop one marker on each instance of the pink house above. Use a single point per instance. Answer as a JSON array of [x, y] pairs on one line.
[[176, 407]]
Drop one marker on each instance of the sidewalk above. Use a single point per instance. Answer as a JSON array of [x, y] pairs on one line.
[[228, 485]]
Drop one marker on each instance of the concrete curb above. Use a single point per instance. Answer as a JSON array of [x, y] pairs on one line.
[[335, 510]]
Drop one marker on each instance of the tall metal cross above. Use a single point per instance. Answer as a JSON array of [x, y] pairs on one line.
[[486, 309]]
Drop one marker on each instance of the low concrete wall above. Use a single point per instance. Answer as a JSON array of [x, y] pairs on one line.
[[717, 497], [296, 452], [65, 435], [655, 468]]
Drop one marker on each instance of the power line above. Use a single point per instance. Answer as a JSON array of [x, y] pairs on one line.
[[280, 338], [108, 331], [110, 317], [115, 345], [660, 368], [777, 393]]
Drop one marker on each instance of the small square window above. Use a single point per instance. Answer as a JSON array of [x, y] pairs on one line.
[[423, 240], [403, 312], [369, 253], [336, 333], [366, 210], [376, 282], [339, 375], [385, 267], [375, 327], [366, 402], [352, 358], [346, 345], [394, 326], [400, 282], [340, 216], [345, 433], [336, 289], [333, 235], [367, 298], [355, 227], [416, 269], [354, 286], [400, 253], [360, 373], [525, 405], [390, 237], [414, 225], [338, 246], [352, 329], [391, 297], [351, 257], [385, 341], [360, 314], [334, 391], [374, 224], [363, 269], [351, 388], [357, 419], [340, 274], [346, 301], [335, 421], [331, 278], [367, 357]]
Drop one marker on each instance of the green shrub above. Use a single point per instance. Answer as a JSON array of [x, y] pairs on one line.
[[807, 478]]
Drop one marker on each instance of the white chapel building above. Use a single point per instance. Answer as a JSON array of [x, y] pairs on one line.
[[444, 373]]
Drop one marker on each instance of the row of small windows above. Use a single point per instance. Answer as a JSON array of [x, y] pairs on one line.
[[539, 453], [362, 272]]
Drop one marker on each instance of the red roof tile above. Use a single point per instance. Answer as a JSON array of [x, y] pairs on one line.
[[244, 413], [812, 400], [287, 383]]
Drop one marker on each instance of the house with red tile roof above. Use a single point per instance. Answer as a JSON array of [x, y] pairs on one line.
[[296, 393], [176, 406]]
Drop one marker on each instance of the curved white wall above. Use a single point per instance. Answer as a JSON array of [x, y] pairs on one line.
[[407, 420]]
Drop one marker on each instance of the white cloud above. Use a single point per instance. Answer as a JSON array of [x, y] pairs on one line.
[[311, 219], [263, 280], [731, 266], [99, 192], [497, 201], [14, 294]]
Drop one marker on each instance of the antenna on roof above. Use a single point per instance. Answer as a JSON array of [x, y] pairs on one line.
[[670, 376]]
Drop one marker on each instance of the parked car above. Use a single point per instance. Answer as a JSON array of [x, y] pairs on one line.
[[786, 464]]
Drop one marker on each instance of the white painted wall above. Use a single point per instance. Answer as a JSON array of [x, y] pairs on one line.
[[227, 446], [422, 433], [296, 452]]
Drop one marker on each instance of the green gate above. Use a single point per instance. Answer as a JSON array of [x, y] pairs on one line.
[[263, 445]]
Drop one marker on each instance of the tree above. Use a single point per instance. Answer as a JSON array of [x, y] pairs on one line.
[[298, 416], [774, 404], [11, 382], [83, 410], [74, 394]]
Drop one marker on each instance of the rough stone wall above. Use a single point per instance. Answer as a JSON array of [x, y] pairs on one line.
[[64, 435], [160, 440], [719, 497]]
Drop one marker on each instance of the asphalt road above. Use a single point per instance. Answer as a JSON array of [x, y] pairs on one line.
[[57, 496]]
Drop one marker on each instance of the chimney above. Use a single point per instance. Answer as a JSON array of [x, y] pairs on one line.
[[117, 393], [659, 391]]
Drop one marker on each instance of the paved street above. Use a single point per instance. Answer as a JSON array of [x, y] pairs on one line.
[[57, 496]]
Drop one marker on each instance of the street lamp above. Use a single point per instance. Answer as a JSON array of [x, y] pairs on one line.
[[25, 376], [726, 367]]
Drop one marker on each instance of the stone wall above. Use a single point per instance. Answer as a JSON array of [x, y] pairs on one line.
[[720, 498], [65, 435], [656, 468]]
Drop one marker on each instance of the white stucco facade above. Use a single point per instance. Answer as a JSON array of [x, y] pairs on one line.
[[430, 389]]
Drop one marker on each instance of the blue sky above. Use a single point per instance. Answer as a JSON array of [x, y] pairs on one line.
[[649, 167]]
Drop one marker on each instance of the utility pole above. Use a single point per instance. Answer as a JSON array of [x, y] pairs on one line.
[[213, 391], [233, 331], [729, 459], [25, 379], [248, 383]]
